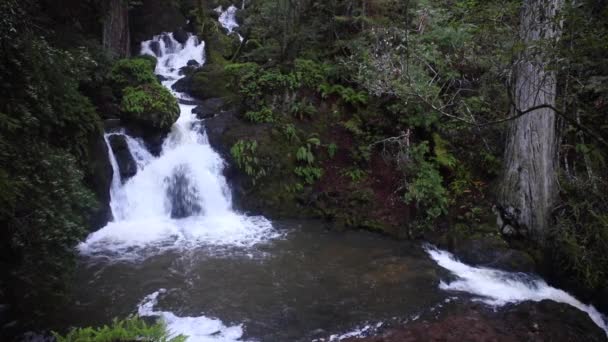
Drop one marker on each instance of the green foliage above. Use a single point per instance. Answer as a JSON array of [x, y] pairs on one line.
[[150, 104], [347, 94], [47, 125], [579, 239], [426, 189], [244, 154], [290, 132], [332, 149], [133, 72], [311, 73], [306, 157], [264, 115], [130, 329], [355, 174], [442, 156], [302, 109], [310, 174]]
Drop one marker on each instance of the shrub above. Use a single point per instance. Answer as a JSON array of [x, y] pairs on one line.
[[150, 104], [264, 115], [426, 189], [133, 72]]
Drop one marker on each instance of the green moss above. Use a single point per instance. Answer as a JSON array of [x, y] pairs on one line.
[[151, 105], [210, 81]]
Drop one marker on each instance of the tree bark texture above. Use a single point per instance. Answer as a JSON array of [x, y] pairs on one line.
[[529, 183], [116, 35]]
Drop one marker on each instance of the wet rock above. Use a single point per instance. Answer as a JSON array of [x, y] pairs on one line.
[[126, 164], [183, 195], [187, 70], [99, 179], [111, 125], [192, 63], [180, 35], [492, 251], [153, 138], [4, 314], [161, 78], [209, 108], [475, 322], [155, 47], [152, 17]]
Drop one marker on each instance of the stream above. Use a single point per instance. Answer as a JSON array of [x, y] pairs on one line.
[[177, 249]]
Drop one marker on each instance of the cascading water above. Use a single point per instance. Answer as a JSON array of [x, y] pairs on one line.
[[181, 200], [498, 288], [181, 197], [228, 19]]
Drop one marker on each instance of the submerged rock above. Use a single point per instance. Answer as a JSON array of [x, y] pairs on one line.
[[126, 164], [183, 196]]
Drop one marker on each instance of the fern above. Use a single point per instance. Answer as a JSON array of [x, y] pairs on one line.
[[130, 329]]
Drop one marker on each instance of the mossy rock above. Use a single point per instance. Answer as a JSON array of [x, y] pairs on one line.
[[150, 105], [208, 82]]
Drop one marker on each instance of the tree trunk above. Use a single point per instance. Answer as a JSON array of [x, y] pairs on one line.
[[116, 35], [529, 184]]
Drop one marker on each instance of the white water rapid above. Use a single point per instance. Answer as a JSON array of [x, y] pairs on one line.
[[498, 288], [197, 329], [179, 199]]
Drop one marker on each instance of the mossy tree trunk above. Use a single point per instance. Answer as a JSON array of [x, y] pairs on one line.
[[116, 34], [529, 183]]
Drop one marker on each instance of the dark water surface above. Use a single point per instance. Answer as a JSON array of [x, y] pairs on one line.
[[309, 283]]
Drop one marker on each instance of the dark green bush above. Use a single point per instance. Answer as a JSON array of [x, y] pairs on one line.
[[151, 105], [133, 72]]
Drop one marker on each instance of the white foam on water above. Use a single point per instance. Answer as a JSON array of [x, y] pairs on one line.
[[498, 288], [179, 199], [197, 329]]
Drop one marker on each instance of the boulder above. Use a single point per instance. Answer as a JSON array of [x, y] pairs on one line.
[[126, 164], [493, 252], [180, 35], [207, 82], [99, 179], [193, 63], [209, 108]]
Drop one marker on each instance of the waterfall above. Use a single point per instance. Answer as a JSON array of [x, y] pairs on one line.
[[181, 197], [228, 19], [498, 288]]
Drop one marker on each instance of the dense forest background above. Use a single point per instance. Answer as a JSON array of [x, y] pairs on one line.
[[402, 108]]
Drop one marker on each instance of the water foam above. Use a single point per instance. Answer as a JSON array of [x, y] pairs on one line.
[[179, 199], [498, 288], [197, 329]]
